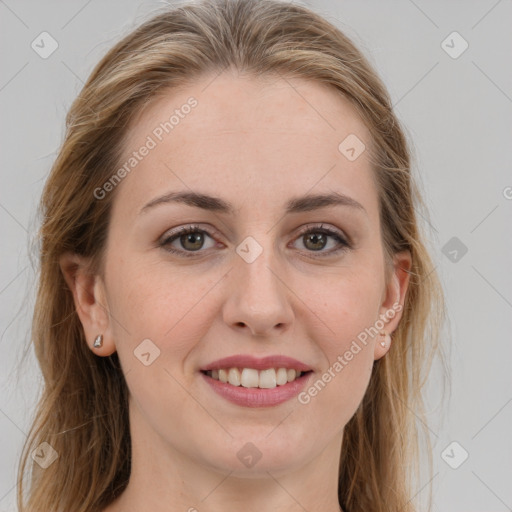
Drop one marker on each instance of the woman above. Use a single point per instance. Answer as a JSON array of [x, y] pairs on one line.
[[236, 307]]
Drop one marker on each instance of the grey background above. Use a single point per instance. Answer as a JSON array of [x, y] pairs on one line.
[[458, 115]]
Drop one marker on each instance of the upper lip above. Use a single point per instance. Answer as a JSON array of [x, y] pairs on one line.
[[247, 361]]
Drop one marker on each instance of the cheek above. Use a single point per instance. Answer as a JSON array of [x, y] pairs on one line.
[[339, 386], [148, 301], [350, 310], [349, 306]]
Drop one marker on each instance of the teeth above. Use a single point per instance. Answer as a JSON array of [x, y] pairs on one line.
[[234, 377], [268, 379], [281, 376], [251, 378]]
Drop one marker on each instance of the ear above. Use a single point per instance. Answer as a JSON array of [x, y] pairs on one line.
[[392, 306], [89, 296]]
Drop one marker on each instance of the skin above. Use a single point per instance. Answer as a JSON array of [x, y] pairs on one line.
[[256, 143]]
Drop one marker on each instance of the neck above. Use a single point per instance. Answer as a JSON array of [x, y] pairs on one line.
[[165, 479]]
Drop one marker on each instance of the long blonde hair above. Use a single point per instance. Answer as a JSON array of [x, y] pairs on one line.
[[83, 410]]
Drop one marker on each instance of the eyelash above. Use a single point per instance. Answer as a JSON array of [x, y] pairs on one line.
[[192, 228]]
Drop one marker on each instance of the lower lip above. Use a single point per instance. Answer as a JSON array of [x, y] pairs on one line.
[[258, 397]]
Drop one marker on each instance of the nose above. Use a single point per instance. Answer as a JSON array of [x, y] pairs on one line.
[[258, 297]]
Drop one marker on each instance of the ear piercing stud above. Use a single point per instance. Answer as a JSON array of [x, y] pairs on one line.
[[98, 342], [387, 339]]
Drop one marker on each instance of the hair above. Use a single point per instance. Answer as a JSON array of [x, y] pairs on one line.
[[83, 410]]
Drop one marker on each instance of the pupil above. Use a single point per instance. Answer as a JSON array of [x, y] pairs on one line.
[[193, 238], [315, 238]]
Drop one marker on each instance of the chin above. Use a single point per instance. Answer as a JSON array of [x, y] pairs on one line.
[[252, 456]]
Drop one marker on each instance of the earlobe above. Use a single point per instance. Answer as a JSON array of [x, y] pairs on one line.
[[88, 293]]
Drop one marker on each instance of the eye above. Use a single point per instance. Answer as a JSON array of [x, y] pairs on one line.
[[190, 238], [316, 238]]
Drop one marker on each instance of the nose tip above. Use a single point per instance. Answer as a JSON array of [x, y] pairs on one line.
[[258, 299]]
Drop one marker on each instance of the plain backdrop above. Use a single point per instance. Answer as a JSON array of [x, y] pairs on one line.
[[448, 68]]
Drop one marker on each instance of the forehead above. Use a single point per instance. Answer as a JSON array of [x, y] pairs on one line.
[[253, 140]]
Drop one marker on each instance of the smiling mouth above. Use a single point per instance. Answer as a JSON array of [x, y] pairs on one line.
[[252, 378]]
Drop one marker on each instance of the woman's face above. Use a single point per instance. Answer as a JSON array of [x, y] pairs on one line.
[[250, 155]]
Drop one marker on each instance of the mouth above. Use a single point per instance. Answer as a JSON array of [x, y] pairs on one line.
[[249, 381], [252, 378]]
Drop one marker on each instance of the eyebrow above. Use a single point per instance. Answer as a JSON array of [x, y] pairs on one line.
[[305, 203]]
